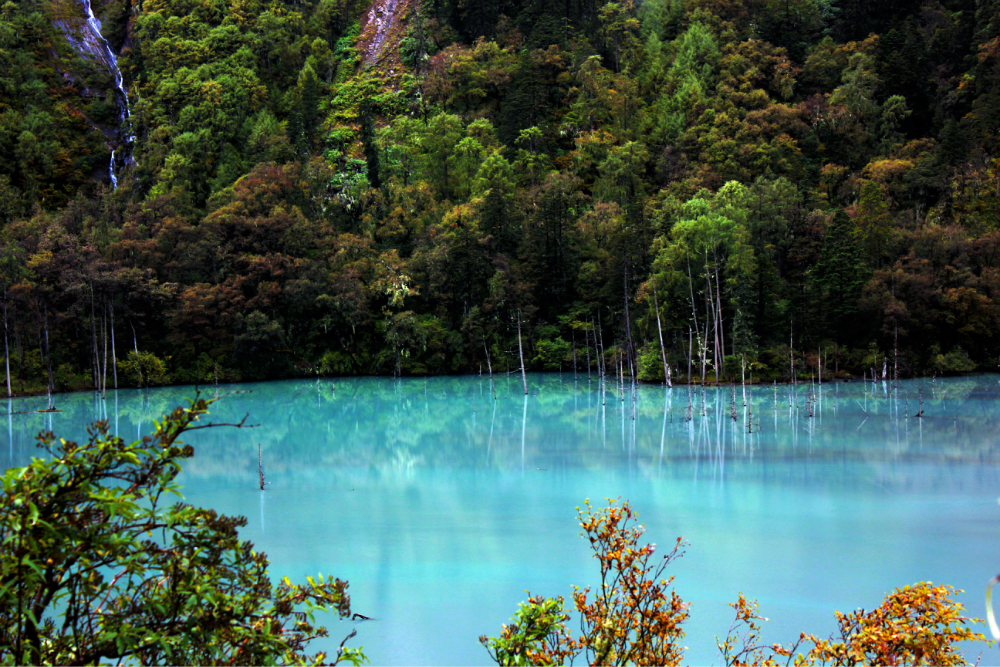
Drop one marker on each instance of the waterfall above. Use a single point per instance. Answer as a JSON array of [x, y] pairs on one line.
[[93, 42]]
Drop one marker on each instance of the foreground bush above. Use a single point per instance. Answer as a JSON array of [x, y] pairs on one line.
[[632, 621], [632, 618], [915, 625], [96, 566]]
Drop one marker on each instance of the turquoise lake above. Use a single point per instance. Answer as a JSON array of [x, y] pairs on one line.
[[441, 505]]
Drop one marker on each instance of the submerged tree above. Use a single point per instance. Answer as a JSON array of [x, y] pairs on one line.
[[97, 567]]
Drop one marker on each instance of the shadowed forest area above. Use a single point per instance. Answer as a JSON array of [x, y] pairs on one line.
[[725, 187]]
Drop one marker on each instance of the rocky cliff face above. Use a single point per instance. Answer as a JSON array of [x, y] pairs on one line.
[[383, 26]]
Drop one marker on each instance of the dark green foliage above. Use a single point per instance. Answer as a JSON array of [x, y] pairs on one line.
[[298, 206], [839, 276], [525, 103], [51, 134], [149, 371], [305, 114], [371, 150], [259, 349]]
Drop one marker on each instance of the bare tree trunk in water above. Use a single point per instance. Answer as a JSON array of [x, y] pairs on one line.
[[603, 362], [628, 321], [718, 303], [743, 379], [586, 341], [104, 363], [520, 351], [48, 355], [621, 377], [114, 357], [135, 341], [574, 354], [703, 355], [490, 366], [791, 354], [710, 311], [690, 343], [95, 357], [663, 351], [895, 355], [697, 333]]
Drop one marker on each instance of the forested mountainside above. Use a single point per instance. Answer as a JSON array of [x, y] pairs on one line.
[[327, 187]]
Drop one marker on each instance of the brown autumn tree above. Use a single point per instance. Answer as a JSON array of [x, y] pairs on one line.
[[631, 618]]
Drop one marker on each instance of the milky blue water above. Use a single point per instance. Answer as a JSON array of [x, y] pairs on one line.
[[441, 505]]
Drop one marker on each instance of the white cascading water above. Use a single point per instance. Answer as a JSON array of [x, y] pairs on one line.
[[96, 45]]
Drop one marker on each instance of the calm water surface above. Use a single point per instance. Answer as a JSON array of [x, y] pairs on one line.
[[441, 505]]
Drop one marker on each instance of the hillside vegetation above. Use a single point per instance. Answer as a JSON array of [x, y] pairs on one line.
[[330, 188]]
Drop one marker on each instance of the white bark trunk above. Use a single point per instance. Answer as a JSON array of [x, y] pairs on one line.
[[114, 357], [663, 351], [520, 351], [138, 365]]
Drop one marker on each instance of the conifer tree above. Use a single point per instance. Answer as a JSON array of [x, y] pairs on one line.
[[839, 276]]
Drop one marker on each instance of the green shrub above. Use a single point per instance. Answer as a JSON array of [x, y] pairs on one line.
[[552, 354], [956, 361], [83, 582], [148, 372], [650, 363], [335, 363]]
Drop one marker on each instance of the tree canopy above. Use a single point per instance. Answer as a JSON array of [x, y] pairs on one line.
[[303, 194]]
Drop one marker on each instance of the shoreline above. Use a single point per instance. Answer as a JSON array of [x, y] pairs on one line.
[[844, 379]]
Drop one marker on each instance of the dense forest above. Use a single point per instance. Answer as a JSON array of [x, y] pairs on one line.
[[322, 187]]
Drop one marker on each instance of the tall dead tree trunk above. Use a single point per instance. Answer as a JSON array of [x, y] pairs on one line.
[[718, 303], [138, 365], [104, 360], [114, 356], [574, 354], [628, 320], [520, 351], [48, 354], [710, 312], [663, 351], [603, 361], [95, 358], [490, 366], [694, 316], [791, 354], [690, 342]]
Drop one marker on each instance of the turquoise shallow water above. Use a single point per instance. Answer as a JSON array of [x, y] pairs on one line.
[[441, 505]]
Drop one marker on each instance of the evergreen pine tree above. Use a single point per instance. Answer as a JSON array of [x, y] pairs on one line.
[[839, 276]]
